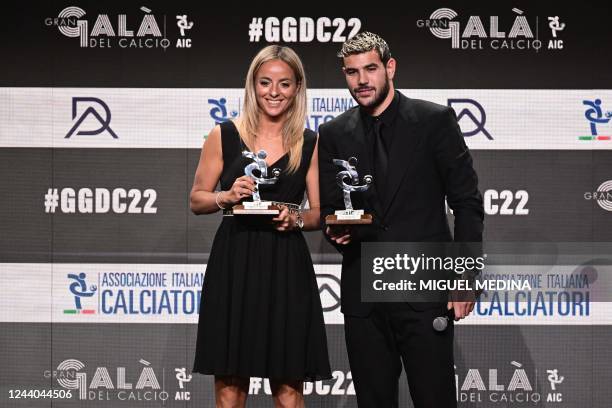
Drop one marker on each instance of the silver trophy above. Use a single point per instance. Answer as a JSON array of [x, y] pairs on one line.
[[349, 215], [258, 170]]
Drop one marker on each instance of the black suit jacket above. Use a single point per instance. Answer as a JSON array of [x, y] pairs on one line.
[[428, 162]]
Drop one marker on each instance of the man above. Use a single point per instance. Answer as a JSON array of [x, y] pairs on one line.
[[417, 155]]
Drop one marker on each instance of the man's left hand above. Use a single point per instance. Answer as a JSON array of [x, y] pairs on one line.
[[461, 309]]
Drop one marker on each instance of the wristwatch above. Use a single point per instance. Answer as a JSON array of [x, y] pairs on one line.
[[299, 222]]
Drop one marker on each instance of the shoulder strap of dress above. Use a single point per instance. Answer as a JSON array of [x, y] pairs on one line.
[[230, 141], [310, 140]]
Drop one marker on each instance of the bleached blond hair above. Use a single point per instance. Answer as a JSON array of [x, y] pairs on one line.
[[364, 42]]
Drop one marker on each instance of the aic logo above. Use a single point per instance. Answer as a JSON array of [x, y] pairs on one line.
[[596, 117], [554, 379], [102, 116], [471, 111], [474, 36], [79, 290], [219, 111], [182, 378], [105, 34], [603, 195], [183, 25]]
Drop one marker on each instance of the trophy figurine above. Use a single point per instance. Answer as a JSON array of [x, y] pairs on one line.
[[258, 170], [349, 215]]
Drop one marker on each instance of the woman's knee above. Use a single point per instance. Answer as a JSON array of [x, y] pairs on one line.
[[288, 394], [230, 392]]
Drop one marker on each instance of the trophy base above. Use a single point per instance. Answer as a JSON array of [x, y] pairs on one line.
[[349, 217], [256, 208]]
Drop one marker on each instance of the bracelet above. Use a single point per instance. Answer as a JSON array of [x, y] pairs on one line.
[[217, 200], [299, 222]]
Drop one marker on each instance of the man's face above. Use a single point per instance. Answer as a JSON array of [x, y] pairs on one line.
[[368, 80]]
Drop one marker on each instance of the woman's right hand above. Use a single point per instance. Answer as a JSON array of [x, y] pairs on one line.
[[243, 187]]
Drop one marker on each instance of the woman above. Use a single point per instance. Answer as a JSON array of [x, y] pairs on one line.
[[261, 313]]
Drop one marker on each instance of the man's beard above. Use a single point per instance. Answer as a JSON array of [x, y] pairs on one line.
[[384, 91]]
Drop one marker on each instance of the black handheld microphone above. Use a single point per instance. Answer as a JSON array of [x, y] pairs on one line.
[[440, 323]]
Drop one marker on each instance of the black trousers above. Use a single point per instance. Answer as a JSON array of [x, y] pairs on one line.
[[394, 333]]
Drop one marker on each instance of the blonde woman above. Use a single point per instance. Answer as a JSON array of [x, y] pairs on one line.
[[261, 313]]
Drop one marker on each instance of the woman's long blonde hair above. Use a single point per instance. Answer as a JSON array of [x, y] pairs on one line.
[[295, 116]]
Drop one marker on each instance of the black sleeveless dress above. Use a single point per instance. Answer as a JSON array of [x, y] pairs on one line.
[[260, 314]]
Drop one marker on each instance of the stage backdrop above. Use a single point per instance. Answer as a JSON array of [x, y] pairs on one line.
[[104, 107]]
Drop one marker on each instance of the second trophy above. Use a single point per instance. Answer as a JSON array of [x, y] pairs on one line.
[[348, 181]]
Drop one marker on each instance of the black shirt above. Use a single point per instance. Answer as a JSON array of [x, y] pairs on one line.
[[380, 164], [388, 119]]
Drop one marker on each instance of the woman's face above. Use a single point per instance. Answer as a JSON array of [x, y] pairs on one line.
[[275, 87]]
